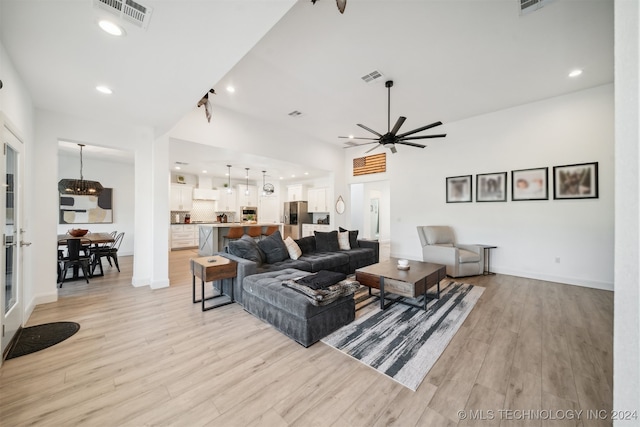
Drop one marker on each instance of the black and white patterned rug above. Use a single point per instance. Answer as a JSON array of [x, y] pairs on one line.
[[404, 342]]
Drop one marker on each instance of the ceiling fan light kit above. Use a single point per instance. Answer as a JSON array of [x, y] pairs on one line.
[[391, 138]]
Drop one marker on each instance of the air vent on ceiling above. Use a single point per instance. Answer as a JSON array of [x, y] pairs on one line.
[[128, 10], [295, 114], [182, 163], [372, 76], [528, 6], [349, 144]]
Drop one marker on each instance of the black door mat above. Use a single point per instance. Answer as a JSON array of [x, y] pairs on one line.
[[39, 337]]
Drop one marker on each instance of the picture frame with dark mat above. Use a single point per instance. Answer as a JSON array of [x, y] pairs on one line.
[[459, 189], [530, 184], [579, 181], [491, 187]]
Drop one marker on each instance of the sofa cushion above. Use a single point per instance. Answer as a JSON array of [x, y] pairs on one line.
[[467, 256], [293, 248], [360, 257], [287, 263], [247, 248], [353, 237], [307, 244], [335, 261], [274, 248], [268, 287], [327, 241]]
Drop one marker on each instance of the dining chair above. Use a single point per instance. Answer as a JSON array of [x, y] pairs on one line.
[[110, 252], [73, 259]]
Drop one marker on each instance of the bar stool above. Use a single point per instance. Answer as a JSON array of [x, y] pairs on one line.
[[270, 230], [234, 234], [255, 231]]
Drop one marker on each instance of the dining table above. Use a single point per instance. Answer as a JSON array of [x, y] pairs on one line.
[[94, 239]]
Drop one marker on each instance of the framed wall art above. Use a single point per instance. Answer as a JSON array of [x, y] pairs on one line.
[[530, 184], [578, 181], [491, 187], [87, 209], [459, 189]]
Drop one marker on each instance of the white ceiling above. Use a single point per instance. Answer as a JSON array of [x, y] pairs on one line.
[[449, 60]]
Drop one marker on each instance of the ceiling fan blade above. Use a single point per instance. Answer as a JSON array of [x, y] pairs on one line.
[[399, 123], [411, 132], [393, 149], [358, 145], [371, 149], [370, 130], [439, 135], [411, 144], [355, 137]]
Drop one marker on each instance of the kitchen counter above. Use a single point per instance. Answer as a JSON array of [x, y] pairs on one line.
[[211, 235]]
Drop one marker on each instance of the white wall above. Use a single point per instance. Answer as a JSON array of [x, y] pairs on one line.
[[626, 347], [111, 174], [530, 235]]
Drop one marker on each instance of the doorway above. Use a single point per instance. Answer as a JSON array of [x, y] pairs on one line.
[[11, 263], [371, 210]]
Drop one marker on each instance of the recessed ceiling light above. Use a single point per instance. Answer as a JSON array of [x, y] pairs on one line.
[[111, 28], [575, 73], [204, 171], [306, 173], [281, 177], [293, 176], [178, 168], [350, 136], [104, 89], [231, 89]]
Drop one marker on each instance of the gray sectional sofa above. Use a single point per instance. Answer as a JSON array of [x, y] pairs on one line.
[[263, 267], [313, 259]]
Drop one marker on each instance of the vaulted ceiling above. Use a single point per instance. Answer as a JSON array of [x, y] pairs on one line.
[[449, 60]]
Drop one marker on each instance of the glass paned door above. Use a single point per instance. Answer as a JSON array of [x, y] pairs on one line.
[[11, 301]]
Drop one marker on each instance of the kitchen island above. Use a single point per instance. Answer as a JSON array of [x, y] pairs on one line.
[[211, 236]]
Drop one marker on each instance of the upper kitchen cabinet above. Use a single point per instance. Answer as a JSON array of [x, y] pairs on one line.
[[296, 193], [181, 197], [317, 198], [245, 199], [227, 201]]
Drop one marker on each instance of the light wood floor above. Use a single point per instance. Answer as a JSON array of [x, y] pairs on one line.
[[151, 357]]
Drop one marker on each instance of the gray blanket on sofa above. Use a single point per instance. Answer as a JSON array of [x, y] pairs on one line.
[[326, 295]]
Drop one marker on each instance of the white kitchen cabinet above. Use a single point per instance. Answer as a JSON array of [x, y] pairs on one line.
[[245, 199], [184, 236], [269, 209], [317, 200], [205, 194], [310, 229], [227, 201], [181, 197], [296, 193]]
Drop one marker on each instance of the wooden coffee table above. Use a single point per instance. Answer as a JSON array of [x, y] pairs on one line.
[[410, 283]]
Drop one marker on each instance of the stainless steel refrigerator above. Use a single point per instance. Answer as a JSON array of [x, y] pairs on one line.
[[295, 214]]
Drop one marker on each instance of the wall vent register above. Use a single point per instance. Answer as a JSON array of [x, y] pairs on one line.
[[127, 10]]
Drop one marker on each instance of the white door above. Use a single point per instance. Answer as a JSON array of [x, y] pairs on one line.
[[11, 261]]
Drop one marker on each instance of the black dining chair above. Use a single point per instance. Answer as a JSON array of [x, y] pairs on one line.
[[73, 259], [110, 252]]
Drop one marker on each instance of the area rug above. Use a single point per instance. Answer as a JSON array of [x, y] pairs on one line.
[[36, 338], [404, 342]]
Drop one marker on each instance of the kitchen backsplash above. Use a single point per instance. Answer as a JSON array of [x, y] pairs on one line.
[[202, 210]]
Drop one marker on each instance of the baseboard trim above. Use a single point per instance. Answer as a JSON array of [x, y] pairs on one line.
[[140, 281], [159, 284], [594, 284]]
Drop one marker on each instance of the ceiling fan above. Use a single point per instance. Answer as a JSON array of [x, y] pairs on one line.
[[391, 138]]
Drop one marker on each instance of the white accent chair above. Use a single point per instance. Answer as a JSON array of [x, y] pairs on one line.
[[439, 246]]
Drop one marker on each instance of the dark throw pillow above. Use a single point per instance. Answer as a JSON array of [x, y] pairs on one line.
[[247, 248], [274, 248], [327, 241], [353, 237]]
